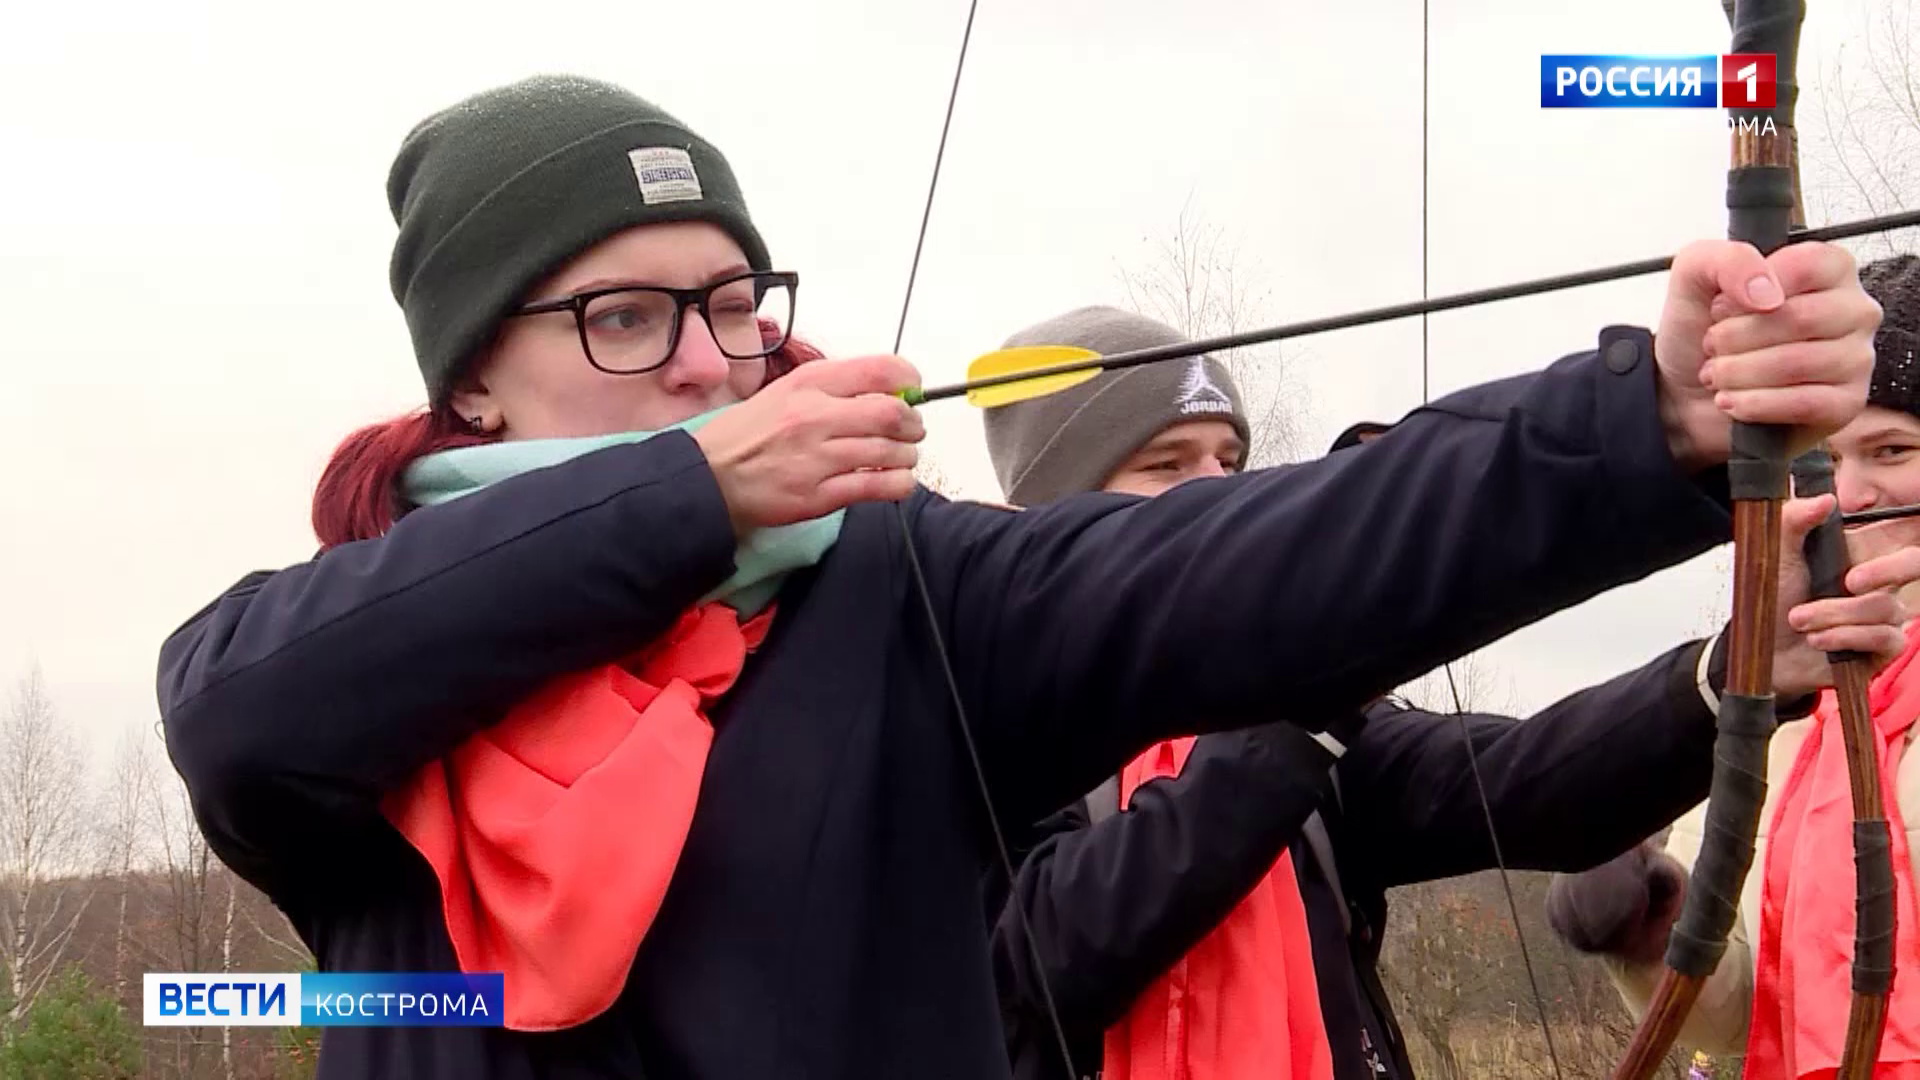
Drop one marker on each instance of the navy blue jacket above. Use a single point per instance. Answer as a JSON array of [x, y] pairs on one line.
[[1102, 910], [824, 919]]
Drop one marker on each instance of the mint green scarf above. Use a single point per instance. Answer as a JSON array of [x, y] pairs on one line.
[[761, 561]]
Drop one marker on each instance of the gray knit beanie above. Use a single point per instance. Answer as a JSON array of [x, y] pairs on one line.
[[1062, 444], [495, 193]]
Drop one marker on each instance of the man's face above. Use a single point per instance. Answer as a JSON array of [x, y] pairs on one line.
[[1181, 453]]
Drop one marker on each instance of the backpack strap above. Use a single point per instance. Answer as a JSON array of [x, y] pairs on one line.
[[1315, 831], [1104, 801]]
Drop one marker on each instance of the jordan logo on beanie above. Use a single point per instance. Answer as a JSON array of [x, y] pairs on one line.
[[1198, 394]]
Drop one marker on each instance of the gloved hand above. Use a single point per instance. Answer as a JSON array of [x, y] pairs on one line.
[[1624, 908]]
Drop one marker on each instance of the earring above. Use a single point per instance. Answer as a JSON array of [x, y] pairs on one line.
[[477, 425]]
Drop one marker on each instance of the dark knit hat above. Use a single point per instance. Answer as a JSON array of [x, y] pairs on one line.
[[1895, 284], [1062, 444], [495, 193]]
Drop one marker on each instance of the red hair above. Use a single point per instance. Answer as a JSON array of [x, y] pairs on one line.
[[358, 496]]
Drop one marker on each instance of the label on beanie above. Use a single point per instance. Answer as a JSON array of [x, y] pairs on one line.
[[665, 174]]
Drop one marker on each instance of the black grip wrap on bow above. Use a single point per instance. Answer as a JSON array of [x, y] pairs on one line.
[[1726, 852], [1826, 546], [1757, 462], [1760, 205], [1873, 930], [1773, 28]]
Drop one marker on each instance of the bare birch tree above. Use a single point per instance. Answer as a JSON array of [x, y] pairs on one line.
[[41, 833], [127, 824], [226, 967], [1193, 280], [1861, 146], [189, 876]]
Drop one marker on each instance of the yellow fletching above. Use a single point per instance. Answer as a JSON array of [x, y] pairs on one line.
[[1009, 362]]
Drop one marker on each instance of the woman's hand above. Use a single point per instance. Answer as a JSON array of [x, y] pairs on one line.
[[830, 434], [1781, 339], [1871, 620]]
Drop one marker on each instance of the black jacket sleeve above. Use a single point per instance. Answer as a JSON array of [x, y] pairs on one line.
[[1084, 631], [295, 701], [1102, 911], [1570, 787]]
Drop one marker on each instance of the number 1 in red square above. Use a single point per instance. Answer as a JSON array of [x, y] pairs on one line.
[[1746, 80]]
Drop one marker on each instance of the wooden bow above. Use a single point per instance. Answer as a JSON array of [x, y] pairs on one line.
[[1763, 200]]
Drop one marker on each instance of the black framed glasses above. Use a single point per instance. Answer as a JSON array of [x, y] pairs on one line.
[[633, 329]]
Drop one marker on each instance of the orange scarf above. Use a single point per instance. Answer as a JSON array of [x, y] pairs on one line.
[[555, 833], [1243, 1003], [1802, 978]]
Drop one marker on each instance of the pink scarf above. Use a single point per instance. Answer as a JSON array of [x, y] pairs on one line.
[[555, 833], [1802, 979], [1243, 1003]]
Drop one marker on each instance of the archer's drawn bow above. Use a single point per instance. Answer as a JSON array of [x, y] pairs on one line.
[[1763, 202], [1760, 205]]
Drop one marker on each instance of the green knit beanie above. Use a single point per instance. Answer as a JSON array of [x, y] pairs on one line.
[[501, 190]]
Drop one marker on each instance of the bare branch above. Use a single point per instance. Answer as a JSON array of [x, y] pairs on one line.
[[280, 937], [1868, 124], [1193, 279], [1481, 688], [126, 811], [45, 965], [127, 824]]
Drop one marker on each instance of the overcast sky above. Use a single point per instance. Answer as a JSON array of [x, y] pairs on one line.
[[194, 236]]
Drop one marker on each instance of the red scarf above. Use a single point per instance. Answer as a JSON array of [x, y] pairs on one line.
[[555, 833], [1243, 1003], [1802, 979]]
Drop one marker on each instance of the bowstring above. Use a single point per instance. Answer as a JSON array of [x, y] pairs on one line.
[[926, 592], [1459, 708], [1506, 883]]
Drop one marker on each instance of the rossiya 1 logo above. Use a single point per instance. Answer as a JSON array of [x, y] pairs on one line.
[[1711, 81]]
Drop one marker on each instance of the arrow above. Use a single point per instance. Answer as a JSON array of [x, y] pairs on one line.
[[1036, 371], [1885, 513]]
